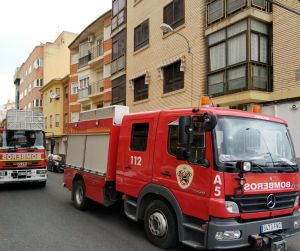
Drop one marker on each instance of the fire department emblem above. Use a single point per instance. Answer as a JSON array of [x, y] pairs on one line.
[[184, 175]]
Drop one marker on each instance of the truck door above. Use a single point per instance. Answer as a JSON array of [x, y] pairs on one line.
[[137, 161], [190, 183]]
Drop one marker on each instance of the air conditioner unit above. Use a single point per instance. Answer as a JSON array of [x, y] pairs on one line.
[[54, 95], [91, 38]]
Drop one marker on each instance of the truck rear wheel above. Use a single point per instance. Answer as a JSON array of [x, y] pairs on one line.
[[161, 225], [80, 200]]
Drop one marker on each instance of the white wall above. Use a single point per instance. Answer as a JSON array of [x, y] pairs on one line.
[[292, 116]]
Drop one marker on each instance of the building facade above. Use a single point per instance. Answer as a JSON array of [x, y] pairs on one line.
[[165, 69], [90, 84], [118, 64], [253, 57], [45, 62], [53, 108]]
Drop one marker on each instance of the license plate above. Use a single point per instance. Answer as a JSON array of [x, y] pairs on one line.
[[266, 228], [22, 173]]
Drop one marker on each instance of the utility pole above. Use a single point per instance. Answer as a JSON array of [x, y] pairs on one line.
[[275, 2]]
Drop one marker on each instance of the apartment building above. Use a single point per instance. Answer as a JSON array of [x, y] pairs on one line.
[[90, 84], [118, 64], [46, 62], [165, 69], [253, 57], [53, 109]]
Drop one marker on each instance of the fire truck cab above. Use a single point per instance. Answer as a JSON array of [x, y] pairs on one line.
[[210, 178]]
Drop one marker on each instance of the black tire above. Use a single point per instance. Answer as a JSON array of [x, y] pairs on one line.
[[81, 202], [161, 225]]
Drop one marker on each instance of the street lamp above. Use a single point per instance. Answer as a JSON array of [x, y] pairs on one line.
[[167, 28]]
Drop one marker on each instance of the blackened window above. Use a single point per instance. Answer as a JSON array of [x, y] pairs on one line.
[[173, 139], [119, 8], [140, 88], [141, 35], [173, 77], [139, 137], [174, 13], [119, 91], [118, 52], [118, 48]]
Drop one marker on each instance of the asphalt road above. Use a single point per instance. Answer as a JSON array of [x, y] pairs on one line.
[[33, 218]]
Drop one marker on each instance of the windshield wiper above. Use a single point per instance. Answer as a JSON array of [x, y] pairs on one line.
[[283, 163], [231, 164]]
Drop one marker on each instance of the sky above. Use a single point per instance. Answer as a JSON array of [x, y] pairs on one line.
[[25, 24]]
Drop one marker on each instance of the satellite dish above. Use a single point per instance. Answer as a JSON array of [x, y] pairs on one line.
[[53, 95]]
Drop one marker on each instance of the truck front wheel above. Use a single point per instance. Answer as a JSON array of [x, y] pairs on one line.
[[80, 200], [160, 224]]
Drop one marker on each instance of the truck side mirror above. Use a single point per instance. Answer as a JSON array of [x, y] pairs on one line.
[[185, 130], [209, 122], [182, 153]]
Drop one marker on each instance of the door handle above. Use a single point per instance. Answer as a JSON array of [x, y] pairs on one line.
[[127, 167], [166, 173]]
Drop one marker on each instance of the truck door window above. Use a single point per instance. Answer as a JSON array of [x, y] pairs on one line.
[[198, 146], [1, 139], [139, 137]]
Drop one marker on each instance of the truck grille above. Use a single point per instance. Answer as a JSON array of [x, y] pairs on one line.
[[258, 203]]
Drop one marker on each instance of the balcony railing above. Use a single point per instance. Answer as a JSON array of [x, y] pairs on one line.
[[118, 64], [96, 51], [96, 87], [83, 93], [83, 61]]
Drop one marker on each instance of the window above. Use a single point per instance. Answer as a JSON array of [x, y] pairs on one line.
[[57, 91], [230, 61], [140, 88], [118, 52], [107, 31], [234, 5], [74, 88], [106, 71], [259, 3], [118, 13], [38, 82], [29, 87], [51, 117], [141, 35], [197, 147], [215, 11], [74, 59], [45, 122], [84, 83], [57, 118], [38, 63], [139, 137], [37, 103], [174, 13], [66, 92], [119, 91], [66, 119], [173, 77], [74, 117], [84, 49]]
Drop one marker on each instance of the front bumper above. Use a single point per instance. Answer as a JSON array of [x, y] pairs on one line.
[[247, 229], [23, 175]]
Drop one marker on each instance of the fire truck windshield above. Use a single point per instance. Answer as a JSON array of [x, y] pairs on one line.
[[22, 139], [266, 144]]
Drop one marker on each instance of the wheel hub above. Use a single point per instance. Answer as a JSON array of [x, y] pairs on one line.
[[79, 195], [158, 224]]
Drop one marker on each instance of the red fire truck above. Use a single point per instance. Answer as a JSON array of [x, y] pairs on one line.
[[207, 177], [22, 151]]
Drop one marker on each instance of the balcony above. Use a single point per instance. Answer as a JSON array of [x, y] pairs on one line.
[[220, 9], [118, 64], [83, 61], [96, 51], [96, 88], [83, 93]]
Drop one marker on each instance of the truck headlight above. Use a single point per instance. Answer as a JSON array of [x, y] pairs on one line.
[[296, 204], [40, 171], [228, 235], [232, 207]]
